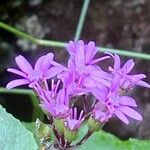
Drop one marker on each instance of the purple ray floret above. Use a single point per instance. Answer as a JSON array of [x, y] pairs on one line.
[[45, 68]]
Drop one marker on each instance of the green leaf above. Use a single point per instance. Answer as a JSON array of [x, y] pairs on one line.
[[81, 133], [31, 127], [105, 141], [13, 135]]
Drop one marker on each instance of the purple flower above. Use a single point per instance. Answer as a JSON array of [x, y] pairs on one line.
[[82, 73], [83, 54], [77, 83], [45, 68], [73, 122], [111, 103], [55, 102], [121, 74]]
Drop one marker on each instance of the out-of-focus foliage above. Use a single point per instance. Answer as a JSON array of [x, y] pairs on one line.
[[105, 141]]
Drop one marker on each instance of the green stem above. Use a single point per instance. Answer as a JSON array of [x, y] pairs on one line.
[[30, 38], [16, 91], [81, 19], [125, 53], [62, 44]]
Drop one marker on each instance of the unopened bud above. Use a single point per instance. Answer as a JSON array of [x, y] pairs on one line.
[[94, 125], [59, 125], [70, 135]]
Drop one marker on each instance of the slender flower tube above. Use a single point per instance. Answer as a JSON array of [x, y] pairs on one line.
[[72, 124]]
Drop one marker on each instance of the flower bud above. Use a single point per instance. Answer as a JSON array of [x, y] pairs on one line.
[[43, 131], [70, 135], [59, 125], [94, 125]]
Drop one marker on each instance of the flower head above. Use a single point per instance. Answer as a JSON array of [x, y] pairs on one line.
[[111, 103], [82, 73], [83, 54], [45, 68], [55, 101], [121, 74]]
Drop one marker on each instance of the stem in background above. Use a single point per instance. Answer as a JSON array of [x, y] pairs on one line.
[[81, 19], [62, 44], [16, 91], [31, 38]]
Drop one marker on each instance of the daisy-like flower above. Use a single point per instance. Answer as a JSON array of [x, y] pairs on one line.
[[82, 73], [45, 68], [122, 75], [55, 102], [111, 103], [83, 54]]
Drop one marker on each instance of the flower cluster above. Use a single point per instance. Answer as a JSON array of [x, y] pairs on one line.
[[80, 78]]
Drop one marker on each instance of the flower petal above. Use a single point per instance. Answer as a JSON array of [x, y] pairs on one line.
[[131, 113], [18, 72], [79, 58], [126, 100], [23, 64], [17, 82], [46, 63], [99, 59], [53, 71], [90, 51], [143, 83], [116, 62], [128, 66], [121, 116], [70, 47], [100, 94], [38, 64]]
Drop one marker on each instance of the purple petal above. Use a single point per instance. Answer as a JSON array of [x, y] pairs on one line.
[[131, 113], [99, 59], [126, 100], [100, 94], [99, 80], [136, 77], [142, 83], [90, 51], [38, 64], [47, 61], [115, 83], [128, 66], [53, 71], [116, 62], [23, 64], [70, 47], [17, 82], [72, 123], [15, 71], [121, 116], [97, 72], [79, 58], [89, 83]]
